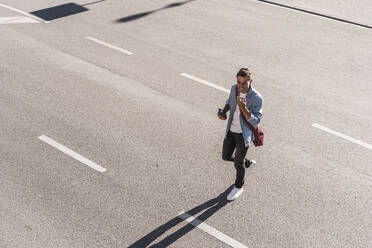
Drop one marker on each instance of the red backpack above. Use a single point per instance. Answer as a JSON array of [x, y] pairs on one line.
[[258, 133]]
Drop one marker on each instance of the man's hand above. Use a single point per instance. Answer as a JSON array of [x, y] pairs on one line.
[[243, 108], [220, 116], [241, 102]]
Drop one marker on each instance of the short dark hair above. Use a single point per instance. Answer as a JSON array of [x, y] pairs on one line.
[[244, 72]]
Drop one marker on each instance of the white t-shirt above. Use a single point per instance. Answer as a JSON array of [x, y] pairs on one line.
[[235, 124]]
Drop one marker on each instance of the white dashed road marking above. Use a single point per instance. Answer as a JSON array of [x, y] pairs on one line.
[[210, 230], [109, 45], [356, 141], [71, 153], [205, 82]]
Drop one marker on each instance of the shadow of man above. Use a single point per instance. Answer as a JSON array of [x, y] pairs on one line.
[[211, 206]]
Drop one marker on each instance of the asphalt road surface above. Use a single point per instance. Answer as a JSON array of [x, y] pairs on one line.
[[108, 127]]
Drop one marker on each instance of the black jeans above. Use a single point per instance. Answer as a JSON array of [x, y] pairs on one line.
[[232, 141]]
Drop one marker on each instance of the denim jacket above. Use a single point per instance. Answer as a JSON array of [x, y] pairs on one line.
[[254, 103]]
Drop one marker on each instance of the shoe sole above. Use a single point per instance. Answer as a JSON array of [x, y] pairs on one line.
[[234, 198]]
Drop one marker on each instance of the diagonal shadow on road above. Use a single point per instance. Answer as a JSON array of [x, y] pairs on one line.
[[143, 14], [210, 207]]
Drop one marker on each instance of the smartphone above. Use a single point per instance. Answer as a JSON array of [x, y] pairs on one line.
[[222, 114]]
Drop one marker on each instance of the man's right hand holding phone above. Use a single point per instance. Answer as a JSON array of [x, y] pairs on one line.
[[221, 115]]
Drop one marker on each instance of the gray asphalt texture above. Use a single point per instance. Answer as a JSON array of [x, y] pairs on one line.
[[157, 132]]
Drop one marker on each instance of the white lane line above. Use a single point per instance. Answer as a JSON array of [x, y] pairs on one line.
[[205, 82], [210, 230], [356, 141], [109, 45], [23, 12], [17, 20], [71, 153]]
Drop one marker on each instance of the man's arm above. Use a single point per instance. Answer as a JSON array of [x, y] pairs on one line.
[[225, 109], [222, 114], [245, 112], [227, 104], [253, 117]]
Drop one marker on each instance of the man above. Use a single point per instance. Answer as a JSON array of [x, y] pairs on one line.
[[245, 107]]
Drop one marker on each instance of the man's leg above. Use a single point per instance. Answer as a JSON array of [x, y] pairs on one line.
[[228, 147], [240, 153]]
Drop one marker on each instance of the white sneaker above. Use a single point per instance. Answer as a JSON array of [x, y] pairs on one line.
[[235, 193], [249, 163]]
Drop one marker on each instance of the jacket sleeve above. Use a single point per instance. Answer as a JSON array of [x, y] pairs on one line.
[[256, 113], [232, 92]]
